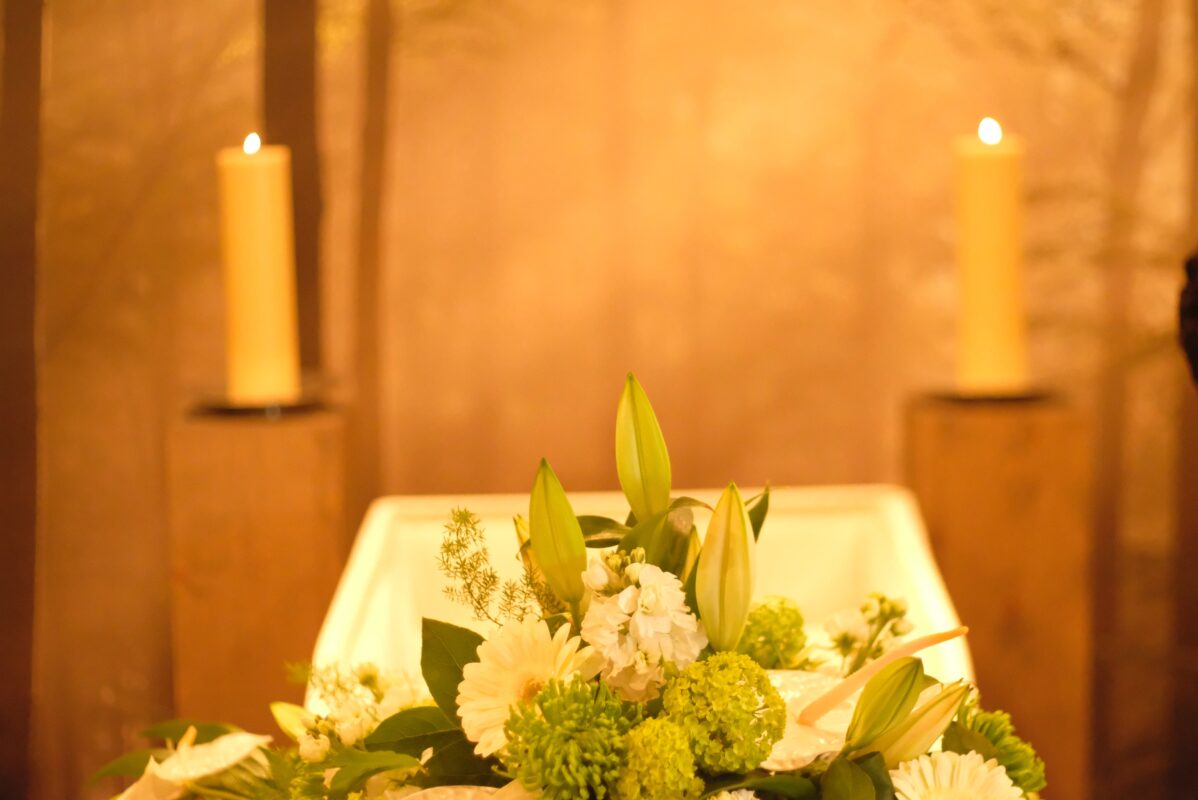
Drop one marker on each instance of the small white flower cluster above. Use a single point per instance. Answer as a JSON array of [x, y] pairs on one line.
[[639, 622], [357, 702], [865, 634]]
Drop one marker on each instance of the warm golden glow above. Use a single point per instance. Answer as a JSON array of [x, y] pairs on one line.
[[989, 131], [252, 144]]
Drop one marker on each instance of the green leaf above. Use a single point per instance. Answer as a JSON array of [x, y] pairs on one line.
[[455, 763], [130, 764], [844, 780], [959, 739], [173, 730], [556, 537], [642, 461], [875, 767], [641, 531], [758, 507], [688, 502], [793, 787], [444, 651], [601, 531], [886, 701], [413, 730], [355, 766], [724, 580], [692, 599], [667, 545], [282, 771]]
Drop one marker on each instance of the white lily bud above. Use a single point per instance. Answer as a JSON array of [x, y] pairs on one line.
[[724, 578]]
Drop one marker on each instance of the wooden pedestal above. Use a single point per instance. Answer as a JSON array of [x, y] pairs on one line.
[[1005, 488], [258, 540]]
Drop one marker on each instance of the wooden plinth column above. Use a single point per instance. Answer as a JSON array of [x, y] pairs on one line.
[[1005, 489], [258, 540]]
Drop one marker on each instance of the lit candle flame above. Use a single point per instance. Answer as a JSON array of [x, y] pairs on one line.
[[252, 144], [989, 131]]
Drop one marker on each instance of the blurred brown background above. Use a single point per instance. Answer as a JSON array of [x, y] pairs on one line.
[[510, 203]]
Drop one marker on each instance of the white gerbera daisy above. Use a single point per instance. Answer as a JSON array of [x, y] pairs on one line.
[[952, 776], [512, 667]]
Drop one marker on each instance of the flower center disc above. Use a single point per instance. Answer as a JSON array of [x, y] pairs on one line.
[[532, 687]]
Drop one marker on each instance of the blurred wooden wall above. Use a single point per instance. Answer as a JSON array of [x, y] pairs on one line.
[[137, 97], [746, 203], [20, 90]]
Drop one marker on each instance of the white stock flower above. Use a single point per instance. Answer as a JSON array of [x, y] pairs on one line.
[[352, 720], [737, 794], [952, 776], [512, 667], [313, 747], [641, 630], [356, 699], [597, 576]]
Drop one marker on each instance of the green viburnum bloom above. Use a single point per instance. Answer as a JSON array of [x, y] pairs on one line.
[[569, 741], [774, 635], [1019, 758], [659, 764], [729, 710]]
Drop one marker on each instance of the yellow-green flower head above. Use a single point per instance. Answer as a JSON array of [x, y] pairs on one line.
[[1016, 755], [659, 764], [774, 635], [569, 742], [729, 710]]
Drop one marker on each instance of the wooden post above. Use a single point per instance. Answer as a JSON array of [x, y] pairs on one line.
[[1005, 488], [20, 99], [258, 540]]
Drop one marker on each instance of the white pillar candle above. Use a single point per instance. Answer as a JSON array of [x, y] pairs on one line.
[[258, 247], [992, 341]]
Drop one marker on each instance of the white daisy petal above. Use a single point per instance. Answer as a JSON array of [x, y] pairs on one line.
[[952, 776]]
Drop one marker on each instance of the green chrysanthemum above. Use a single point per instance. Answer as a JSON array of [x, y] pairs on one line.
[[569, 741], [774, 635], [1019, 758], [659, 764], [729, 711]]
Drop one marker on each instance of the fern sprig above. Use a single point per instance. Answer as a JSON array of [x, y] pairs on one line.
[[473, 581]]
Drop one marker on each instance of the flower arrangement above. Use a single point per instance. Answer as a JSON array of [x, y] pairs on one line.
[[630, 662]]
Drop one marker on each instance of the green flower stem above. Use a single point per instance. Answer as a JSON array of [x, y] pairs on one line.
[[576, 618], [863, 652]]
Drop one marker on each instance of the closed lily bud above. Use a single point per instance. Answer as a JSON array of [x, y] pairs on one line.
[[642, 461], [556, 538], [724, 574], [293, 720], [927, 723], [886, 702], [524, 539]]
